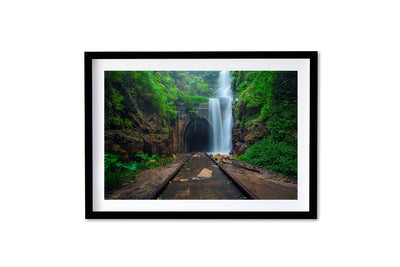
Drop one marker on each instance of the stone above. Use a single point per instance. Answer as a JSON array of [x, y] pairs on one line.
[[241, 150], [204, 174], [257, 132], [250, 134]]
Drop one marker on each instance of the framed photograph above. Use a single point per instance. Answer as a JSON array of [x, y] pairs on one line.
[[210, 135]]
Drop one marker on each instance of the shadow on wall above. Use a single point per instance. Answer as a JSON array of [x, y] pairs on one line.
[[197, 135]]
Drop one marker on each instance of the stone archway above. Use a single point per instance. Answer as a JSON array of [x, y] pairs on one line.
[[197, 135], [181, 127]]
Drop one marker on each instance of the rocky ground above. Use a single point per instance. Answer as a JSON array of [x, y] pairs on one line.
[[261, 182]]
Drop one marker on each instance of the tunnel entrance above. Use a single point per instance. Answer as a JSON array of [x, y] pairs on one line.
[[197, 135]]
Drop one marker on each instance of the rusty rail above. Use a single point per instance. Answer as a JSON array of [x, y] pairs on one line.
[[164, 184], [241, 186]]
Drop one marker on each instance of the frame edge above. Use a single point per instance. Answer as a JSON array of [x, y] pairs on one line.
[[313, 165]]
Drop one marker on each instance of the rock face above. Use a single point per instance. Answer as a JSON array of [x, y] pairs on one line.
[[148, 136], [256, 131], [242, 135], [240, 148], [130, 143]]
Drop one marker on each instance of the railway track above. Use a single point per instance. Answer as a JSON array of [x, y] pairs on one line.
[[220, 185]]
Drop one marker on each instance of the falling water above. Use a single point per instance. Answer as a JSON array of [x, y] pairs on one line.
[[220, 114]]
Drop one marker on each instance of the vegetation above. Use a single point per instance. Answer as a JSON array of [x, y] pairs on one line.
[[149, 93], [115, 173], [276, 156], [156, 91], [270, 98]]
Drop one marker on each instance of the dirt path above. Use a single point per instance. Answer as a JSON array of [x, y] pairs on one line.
[[218, 186], [262, 183]]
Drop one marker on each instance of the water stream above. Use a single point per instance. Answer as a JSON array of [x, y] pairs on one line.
[[220, 115]]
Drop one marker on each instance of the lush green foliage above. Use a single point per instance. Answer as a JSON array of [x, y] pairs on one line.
[[156, 92], [126, 91], [195, 87], [114, 107], [276, 156], [117, 172], [196, 83], [270, 98]]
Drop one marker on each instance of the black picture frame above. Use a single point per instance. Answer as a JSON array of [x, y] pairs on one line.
[[311, 213]]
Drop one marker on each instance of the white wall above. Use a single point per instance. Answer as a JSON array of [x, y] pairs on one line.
[[42, 139]]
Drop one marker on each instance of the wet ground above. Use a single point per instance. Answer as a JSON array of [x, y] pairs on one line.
[[182, 186], [261, 183]]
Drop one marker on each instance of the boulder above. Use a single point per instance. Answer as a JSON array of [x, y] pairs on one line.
[[204, 174]]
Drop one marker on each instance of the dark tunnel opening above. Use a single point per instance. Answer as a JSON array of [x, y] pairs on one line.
[[197, 135]]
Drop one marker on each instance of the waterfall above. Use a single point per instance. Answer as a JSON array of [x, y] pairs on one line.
[[220, 115]]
